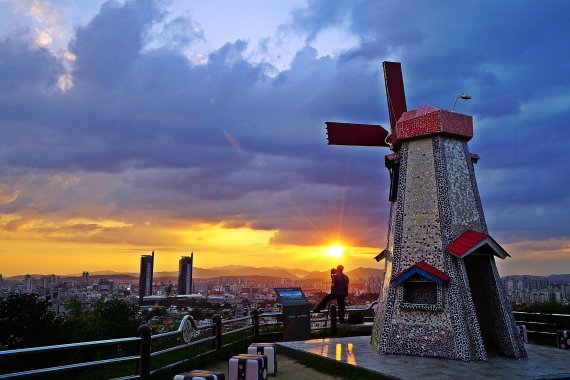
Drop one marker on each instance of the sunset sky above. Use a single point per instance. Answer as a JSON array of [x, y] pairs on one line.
[[179, 126]]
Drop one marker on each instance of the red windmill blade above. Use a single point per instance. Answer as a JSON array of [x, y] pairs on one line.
[[373, 134], [395, 94], [356, 134]]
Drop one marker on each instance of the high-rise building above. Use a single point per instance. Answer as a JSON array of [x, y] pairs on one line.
[[185, 274], [29, 283], [85, 277], [145, 279]]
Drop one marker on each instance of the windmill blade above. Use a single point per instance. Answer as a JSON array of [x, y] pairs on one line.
[[394, 91], [356, 134]]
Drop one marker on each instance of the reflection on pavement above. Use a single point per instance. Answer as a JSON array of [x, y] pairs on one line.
[[342, 351]]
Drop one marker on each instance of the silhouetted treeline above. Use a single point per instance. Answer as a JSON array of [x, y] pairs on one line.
[[27, 321]]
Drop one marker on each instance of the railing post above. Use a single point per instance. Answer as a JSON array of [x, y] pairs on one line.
[[256, 325], [144, 367], [217, 320], [333, 319]]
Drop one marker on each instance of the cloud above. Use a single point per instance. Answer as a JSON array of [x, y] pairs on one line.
[[143, 130]]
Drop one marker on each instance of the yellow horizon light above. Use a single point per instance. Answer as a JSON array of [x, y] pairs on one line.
[[336, 250]]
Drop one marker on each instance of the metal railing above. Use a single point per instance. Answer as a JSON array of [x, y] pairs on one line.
[[218, 332], [143, 358], [542, 323]]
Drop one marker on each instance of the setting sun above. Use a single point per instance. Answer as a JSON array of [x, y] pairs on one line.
[[336, 250]]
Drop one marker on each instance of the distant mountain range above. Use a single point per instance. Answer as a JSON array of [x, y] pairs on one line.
[[358, 274], [227, 271]]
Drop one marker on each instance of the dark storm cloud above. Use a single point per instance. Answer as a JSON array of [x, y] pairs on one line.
[[512, 58], [145, 129]]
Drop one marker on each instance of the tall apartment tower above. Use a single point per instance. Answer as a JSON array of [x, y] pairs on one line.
[[185, 274], [145, 279]]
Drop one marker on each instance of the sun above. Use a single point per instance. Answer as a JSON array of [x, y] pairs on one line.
[[335, 250]]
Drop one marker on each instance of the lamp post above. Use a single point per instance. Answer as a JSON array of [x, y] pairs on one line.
[[463, 97]]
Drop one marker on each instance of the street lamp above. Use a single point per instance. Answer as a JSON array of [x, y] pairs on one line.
[[462, 96]]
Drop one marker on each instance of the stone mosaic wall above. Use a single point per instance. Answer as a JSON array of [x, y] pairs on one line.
[[510, 341], [459, 163], [464, 213], [421, 236], [451, 165], [382, 297], [417, 237], [437, 200], [387, 296]]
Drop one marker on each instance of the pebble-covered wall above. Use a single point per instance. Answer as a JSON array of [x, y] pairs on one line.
[[437, 201]]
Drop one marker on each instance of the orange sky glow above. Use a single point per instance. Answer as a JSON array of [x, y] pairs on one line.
[[27, 250], [133, 126]]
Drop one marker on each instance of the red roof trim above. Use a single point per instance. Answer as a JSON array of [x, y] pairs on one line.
[[425, 267], [466, 241], [469, 241]]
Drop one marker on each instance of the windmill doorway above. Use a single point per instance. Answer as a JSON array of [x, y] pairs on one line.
[[486, 299]]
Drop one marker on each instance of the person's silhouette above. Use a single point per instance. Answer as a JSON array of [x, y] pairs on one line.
[[339, 291]]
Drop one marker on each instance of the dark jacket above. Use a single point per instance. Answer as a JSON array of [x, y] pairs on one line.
[[339, 284]]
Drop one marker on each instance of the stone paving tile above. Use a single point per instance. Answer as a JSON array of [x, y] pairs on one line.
[[542, 361]]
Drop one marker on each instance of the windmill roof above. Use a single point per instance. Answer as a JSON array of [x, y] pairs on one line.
[[420, 111], [424, 269], [430, 120], [469, 241]]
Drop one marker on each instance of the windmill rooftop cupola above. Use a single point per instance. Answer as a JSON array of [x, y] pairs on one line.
[[442, 293], [429, 120]]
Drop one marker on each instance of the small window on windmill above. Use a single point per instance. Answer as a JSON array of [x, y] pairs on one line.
[[419, 290]]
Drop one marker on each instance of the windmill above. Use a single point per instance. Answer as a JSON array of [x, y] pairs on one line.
[[442, 293]]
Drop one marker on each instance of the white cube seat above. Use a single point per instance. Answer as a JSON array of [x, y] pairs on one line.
[[247, 367], [267, 349], [200, 374]]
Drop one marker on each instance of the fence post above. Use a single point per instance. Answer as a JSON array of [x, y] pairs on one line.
[[256, 325], [217, 320], [333, 319], [144, 368]]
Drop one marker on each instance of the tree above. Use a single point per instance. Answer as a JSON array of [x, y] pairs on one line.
[[550, 307], [27, 321], [197, 314], [159, 312], [115, 318], [169, 291]]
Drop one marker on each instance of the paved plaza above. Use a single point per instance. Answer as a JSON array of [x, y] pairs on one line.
[[542, 363]]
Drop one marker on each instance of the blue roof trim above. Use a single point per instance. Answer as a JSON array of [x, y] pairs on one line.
[[421, 272]]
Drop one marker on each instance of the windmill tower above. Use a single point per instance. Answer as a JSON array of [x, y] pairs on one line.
[[442, 294]]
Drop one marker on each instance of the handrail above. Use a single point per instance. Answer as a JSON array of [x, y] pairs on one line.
[[179, 330], [57, 347], [548, 314], [217, 336], [365, 309], [236, 320], [179, 347], [67, 367]]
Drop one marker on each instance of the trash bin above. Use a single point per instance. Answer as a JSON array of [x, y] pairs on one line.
[[296, 314]]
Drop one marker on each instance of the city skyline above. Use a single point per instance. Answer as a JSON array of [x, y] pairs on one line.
[[134, 126]]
